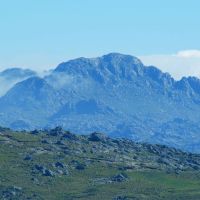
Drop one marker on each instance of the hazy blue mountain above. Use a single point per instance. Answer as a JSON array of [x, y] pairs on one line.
[[29, 102], [115, 94], [11, 76], [13, 73]]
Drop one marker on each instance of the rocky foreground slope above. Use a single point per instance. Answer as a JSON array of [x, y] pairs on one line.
[[56, 164]]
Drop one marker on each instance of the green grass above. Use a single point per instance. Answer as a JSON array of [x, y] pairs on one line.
[[79, 184]]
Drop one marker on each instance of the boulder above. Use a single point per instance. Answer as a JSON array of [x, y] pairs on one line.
[[97, 137], [56, 131], [44, 170], [119, 178], [80, 166], [28, 157]]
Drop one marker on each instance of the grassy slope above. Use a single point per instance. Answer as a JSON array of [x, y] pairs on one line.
[[80, 184]]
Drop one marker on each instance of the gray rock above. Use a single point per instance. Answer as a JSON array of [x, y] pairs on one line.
[[28, 157], [59, 164], [120, 198], [56, 131], [44, 170], [97, 137], [80, 166], [119, 178], [48, 172]]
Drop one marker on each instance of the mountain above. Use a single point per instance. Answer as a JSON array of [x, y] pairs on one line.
[[14, 73], [58, 164], [30, 100], [115, 94], [9, 77]]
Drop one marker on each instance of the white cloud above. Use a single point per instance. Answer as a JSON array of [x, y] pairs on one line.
[[189, 54], [183, 63]]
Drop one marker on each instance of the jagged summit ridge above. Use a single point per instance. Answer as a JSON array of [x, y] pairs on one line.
[[111, 65]]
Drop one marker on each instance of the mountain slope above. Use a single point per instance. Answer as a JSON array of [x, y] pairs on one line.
[[29, 100], [115, 94], [9, 77]]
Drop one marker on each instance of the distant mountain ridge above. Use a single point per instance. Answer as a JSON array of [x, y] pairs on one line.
[[11, 76], [115, 94]]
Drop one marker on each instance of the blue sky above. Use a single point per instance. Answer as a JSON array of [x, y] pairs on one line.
[[41, 33]]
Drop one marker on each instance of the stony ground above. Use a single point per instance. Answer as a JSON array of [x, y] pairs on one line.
[[57, 164]]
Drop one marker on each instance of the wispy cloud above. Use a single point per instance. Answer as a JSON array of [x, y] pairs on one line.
[[189, 54], [7, 84], [183, 63]]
